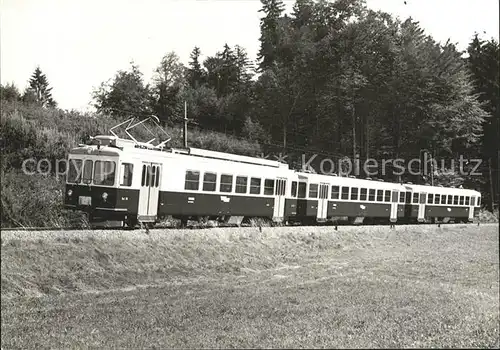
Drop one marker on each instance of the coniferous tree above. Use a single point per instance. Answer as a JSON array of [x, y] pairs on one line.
[[39, 91], [244, 67], [196, 75], [269, 38]]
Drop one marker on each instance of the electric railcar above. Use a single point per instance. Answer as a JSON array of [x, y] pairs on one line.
[[129, 181]]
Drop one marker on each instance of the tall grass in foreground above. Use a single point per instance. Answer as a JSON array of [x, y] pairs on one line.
[[35, 201], [299, 287]]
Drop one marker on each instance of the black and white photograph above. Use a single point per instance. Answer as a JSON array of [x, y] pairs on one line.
[[215, 174]]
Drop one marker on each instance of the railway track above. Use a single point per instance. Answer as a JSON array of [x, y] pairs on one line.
[[196, 227]]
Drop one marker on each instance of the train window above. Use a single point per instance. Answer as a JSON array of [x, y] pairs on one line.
[[302, 189], [226, 183], [354, 193], [87, 171], [450, 197], [192, 180], [415, 197], [371, 195], [323, 191], [75, 171], [461, 200], [467, 200], [148, 175], [127, 171], [478, 201], [443, 199], [429, 198], [394, 196], [345, 193], [380, 195], [153, 176], [294, 189], [436, 198], [387, 196], [335, 192], [472, 200], [104, 173], [157, 176], [268, 187], [313, 190], [455, 199], [143, 178], [241, 184], [408, 198], [209, 181], [280, 188], [255, 185], [363, 194], [402, 197]]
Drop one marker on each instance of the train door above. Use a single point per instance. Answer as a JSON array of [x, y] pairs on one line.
[[471, 209], [421, 207], [279, 199], [322, 202], [149, 192], [394, 206]]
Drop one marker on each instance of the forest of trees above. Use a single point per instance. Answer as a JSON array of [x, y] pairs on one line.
[[332, 78]]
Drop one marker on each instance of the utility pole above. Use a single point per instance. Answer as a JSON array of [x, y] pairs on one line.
[[184, 134]]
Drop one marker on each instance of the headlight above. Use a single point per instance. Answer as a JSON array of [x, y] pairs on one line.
[[104, 196], [70, 192]]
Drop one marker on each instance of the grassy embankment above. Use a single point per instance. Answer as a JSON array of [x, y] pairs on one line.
[[282, 287]]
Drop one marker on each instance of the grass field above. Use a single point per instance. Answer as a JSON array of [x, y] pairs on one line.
[[279, 288]]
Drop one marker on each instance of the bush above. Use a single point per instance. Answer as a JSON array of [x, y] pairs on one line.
[[35, 201], [488, 216]]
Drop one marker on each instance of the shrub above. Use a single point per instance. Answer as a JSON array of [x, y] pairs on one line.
[[34, 201]]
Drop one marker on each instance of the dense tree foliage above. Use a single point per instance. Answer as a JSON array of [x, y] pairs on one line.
[[125, 95], [484, 63]]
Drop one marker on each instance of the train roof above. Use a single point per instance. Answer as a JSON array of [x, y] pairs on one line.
[[114, 146], [442, 190], [107, 145]]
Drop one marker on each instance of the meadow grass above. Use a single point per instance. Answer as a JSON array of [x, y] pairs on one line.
[[283, 287]]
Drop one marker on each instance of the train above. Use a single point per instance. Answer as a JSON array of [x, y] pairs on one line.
[[138, 183]]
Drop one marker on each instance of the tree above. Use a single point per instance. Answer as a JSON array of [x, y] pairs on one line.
[[125, 96], [10, 93], [39, 91], [254, 131], [272, 10], [244, 67], [168, 82], [195, 72], [484, 63], [202, 106]]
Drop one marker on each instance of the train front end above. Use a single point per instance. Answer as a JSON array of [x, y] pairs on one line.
[[92, 184]]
